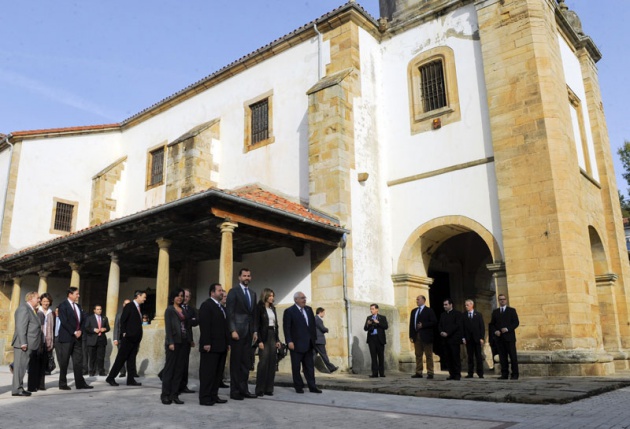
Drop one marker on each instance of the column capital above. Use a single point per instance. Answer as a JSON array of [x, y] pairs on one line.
[[17, 280], [43, 273], [114, 257], [74, 266], [228, 227], [164, 243], [497, 269]]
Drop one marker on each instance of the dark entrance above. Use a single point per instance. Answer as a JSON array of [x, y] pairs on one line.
[[440, 290]]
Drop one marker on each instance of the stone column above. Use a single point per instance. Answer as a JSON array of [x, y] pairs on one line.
[[113, 287], [16, 295], [609, 319], [499, 275], [162, 281], [226, 264], [43, 282], [75, 279], [407, 287]]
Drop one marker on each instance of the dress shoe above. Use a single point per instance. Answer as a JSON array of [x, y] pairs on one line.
[[382, 375], [249, 395], [166, 400], [430, 376], [136, 375], [453, 378], [92, 374], [135, 383], [102, 374], [21, 393], [222, 385], [416, 376], [315, 390], [122, 374], [111, 382], [503, 377], [469, 376], [373, 376], [86, 386], [299, 390], [259, 394], [64, 388], [514, 377], [32, 390], [177, 401], [209, 403], [236, 397], [268, 393], [218, 400], [480, 375], [187, 390], [41, 388], [335, 368]]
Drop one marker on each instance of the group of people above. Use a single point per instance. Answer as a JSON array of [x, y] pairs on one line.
[[455, 329], [236, 322]]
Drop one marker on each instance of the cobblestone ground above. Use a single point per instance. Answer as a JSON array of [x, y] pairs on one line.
[[139, 407]]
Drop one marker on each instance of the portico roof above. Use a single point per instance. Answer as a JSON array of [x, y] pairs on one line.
[[265, 221]]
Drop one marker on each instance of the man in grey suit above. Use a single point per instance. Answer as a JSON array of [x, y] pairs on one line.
[[27, 340], [320, 341], [242, 323], [117, 338]]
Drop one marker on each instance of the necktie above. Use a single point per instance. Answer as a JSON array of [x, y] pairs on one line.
[[249, 298], [139, 312], [470, 315], [502, 310], [304, 314], [222, 310], [98, 322], [374, 331], [76, 315]]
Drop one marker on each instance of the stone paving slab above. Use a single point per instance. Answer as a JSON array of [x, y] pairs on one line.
[[526, 390]]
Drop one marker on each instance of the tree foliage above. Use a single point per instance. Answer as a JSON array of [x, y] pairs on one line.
[[624, 155]]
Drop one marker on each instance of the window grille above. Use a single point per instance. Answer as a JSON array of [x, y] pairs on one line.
[[157, 167], [260, 121], [63, 217], [433, 86]]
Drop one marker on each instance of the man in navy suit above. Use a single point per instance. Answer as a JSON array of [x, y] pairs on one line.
[[502, 325], [242, 323], [298, 323], [70, 343], [375, 326], [422, 321], [474, 334]]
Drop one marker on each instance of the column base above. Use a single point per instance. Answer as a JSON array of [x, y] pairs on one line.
[[565, 363]]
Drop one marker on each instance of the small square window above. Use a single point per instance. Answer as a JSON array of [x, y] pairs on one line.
[[259, 122], [63, 216], [155, 168], [433, 86]]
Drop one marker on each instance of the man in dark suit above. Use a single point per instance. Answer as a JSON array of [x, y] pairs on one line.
[[27, 341], [191, 315], [503, 325], [242, 323], [70, 344], [298, 324], [376, 325], [117, 337], [422, 321], [131, 335], [474, 334], [213, 346], [450, 328], [320, 341], [96, 326]]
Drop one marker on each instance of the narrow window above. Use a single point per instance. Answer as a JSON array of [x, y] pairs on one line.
[[260, 121], [63, 217], [156, 167], [433, 86]]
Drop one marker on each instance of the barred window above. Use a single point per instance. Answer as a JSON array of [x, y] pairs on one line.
[[63, 217], [156, 167], [259, 121], [433, 86]]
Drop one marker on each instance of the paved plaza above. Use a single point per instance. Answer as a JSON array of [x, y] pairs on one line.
[[339, 406]]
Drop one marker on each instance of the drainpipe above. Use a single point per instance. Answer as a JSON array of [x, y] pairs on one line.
[[346, 299], [319, 52], [6, 193]]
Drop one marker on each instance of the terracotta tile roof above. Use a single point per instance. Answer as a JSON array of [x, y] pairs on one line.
[[64, 130]]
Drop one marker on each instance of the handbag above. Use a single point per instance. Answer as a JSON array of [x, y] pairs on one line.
[[51, 363], [282, 351]]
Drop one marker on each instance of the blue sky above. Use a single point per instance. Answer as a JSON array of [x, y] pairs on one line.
[[70, 63]]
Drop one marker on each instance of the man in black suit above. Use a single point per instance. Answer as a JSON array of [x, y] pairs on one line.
[[191, 314], [213, 346], [96, 326], [117, 336], [450, 328], [131, 335], [242, 323], [503, 325], [474, 334], [376, 325], [320, 341], [422, 321], [298, 323], [70, 342]]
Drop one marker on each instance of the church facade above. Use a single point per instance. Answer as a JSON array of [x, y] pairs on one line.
[[450, 148]]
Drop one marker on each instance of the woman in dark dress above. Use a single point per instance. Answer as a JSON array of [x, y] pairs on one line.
[[268, 343], [177, 333]]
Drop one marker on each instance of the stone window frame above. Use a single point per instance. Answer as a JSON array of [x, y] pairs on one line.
[[576, 103], [150, 155], [420, 120], [248, 145], [73, 222]]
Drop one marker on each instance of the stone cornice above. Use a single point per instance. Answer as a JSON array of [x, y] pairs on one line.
[[576, 40], [410, 278]]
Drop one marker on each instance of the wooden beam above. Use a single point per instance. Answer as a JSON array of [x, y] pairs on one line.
[[266, 226]]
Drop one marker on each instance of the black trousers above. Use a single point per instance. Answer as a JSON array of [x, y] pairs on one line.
[[304, 360], [126, 354], [473, 349], [96, 356], [186, 365], [33, 370], [453, 359], [377, 353], [240, 362], [321, 350], [173, 370], [211, 367], [266, 372], [43, 367], [65, 351], [507, 349]]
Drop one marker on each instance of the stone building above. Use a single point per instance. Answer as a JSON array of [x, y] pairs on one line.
[[450, 148]]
